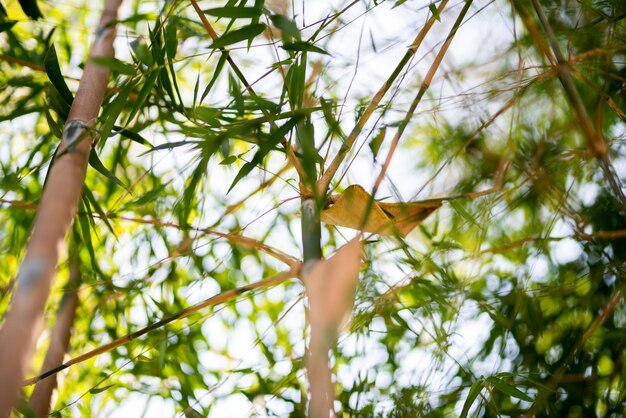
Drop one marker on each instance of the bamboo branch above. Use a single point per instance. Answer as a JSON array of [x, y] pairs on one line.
[[13, 60], [327, 177], [241, 240], [212, 301], [56, 211], [423, 88], [41, 400]]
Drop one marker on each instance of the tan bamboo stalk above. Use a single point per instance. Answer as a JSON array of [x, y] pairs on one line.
[[40, 401], [57, 209]]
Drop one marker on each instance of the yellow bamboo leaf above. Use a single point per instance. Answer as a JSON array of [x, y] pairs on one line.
[[383, 218]]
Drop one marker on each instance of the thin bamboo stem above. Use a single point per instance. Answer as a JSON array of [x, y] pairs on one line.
[[238, 239], [41, 400], [330, 172], [212, 301], [56, 211], [423, 88]]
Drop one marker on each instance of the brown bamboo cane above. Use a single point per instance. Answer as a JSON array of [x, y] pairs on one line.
[[57, 209], [41, 400]]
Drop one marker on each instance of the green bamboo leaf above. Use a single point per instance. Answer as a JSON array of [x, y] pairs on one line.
[[114, 64], [56, 102], [31, 9], [243, 34], [207, 114], [234, 12], [278, 64], [171, 145], [93, 391], [7, 25], [508, 389], [113, 109], [303, 46], [228, 160], [150, 196], [171, 40], [95, 162], [434, 11], [88, 195], [286, 25], [86, 224], [245, 170], [474, 391], [377, 141], [143, 95], [53, 125], [53, 70], [218, 69], [133, 136], [265, 148], [141, 52], [327, 110]]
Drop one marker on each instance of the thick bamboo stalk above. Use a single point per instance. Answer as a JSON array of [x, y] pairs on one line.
[[56, 211], [40, 401]]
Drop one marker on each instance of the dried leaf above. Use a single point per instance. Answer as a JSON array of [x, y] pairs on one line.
[[383, 218], [330, 287]]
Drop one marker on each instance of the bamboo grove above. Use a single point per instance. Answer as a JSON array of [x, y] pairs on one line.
[[287, 208]]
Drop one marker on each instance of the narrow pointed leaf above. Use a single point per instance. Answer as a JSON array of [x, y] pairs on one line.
[[143, 95], [377, 141], [286, 25], [95, 162], [303, 46], [94, 391], [474, 391], [53, 70], [115, 65], [508, 389], [235, 12], [31, 9], [245, 33]]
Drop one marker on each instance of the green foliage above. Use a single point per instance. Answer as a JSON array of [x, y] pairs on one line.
[[508, 301]]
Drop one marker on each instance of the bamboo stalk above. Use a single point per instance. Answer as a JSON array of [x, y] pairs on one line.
[[56, 211], [212, 301], [41, 400]]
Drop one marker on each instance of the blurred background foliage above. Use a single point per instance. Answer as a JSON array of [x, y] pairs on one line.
[[507, 301]]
